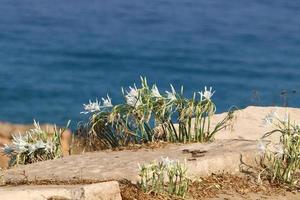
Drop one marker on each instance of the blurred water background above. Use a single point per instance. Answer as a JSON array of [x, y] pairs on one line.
[[56, 55]]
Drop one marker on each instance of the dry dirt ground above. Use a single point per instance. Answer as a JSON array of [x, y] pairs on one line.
[[221, 156], [219, 186]]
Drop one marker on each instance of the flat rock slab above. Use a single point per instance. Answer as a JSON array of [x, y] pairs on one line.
[[201, 160], [99, 191]]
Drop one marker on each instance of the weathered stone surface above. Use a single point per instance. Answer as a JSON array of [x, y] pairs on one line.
[[35, 193], [102, 191], [99, 191], [117, 165]]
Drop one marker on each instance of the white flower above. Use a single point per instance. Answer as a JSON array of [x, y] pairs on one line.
[[261, 147], [278, 150], [132, 97], [171, 95], [91, 107], [32, 148], [285, 119], [20, 144], [268, 120], [207, 94], [107, 102], [155, 92], [167, 162]]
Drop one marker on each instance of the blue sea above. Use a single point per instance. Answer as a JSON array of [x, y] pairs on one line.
[[56, 55]]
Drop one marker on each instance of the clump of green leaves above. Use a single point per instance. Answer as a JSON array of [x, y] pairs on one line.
[[281, 161], [35, 145], [167, 176], [147, 115]]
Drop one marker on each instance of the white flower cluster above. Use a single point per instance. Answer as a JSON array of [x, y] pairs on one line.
[[21, 145], [93, 107], [29, 143], [133, 98], [204, 95], [153, 177], [272, 118], [167, 162]]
